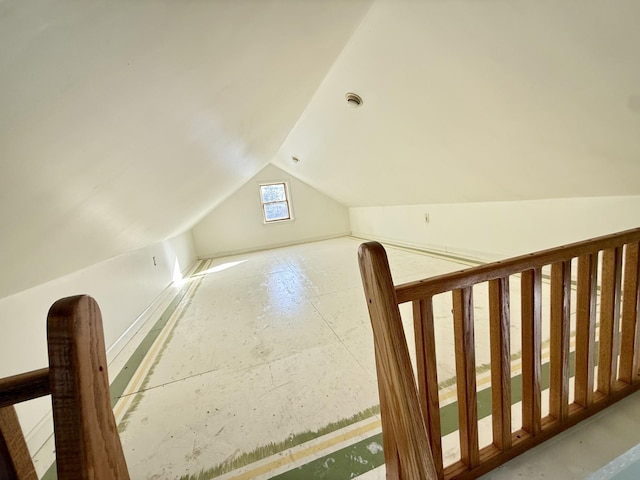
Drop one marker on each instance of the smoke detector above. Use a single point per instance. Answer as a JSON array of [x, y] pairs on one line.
[[353, 100]]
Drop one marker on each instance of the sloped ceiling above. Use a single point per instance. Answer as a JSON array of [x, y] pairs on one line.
[[122, 123], [468, 101]]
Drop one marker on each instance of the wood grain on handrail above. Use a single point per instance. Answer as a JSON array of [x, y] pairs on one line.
[[617, 342], [87, 442], [23, 387], [491, 271], [403, 417], [389, 445]]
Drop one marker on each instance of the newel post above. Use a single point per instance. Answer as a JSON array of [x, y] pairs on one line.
[[87, 442], [410, 454]]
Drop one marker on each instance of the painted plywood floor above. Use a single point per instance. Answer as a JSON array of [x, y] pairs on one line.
[[266, 351], [262, 367]]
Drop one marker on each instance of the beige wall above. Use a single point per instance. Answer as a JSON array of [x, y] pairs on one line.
[[237, 225], [123, 286], [490, 230]]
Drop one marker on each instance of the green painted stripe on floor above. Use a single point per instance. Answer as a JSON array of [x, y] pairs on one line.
[[117, 387], [359, 458], [353, 460], [128, 371], [274, 448], [348, 462]]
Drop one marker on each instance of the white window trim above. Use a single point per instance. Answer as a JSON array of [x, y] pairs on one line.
[[287, 192]]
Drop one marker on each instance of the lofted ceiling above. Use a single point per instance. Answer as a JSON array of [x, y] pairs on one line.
[[468, 101], [123, 123]]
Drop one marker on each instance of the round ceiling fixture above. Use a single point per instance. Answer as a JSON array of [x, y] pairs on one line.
[[353, 100], [295, 159]]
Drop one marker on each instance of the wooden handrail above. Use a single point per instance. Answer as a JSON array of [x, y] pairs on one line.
[[87, 442], [608, 268], [503, 268], [402, 412], [23, 387]]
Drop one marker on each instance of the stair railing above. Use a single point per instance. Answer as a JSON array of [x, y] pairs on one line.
[[604, 274], [87, 442]]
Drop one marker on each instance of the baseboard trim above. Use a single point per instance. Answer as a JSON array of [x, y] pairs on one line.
[[227, 253]]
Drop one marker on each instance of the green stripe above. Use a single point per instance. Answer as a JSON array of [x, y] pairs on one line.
[[345, 463], [117, 387], [128, 371], [273, 448], [357, 459]]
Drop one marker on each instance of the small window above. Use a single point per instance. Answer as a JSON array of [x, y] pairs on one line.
[[275, 202]]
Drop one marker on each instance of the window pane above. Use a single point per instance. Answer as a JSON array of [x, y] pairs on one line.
[[276, 211], [273, 193]]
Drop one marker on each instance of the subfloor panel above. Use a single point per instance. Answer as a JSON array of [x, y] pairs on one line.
[[264, 368], [267, 352]]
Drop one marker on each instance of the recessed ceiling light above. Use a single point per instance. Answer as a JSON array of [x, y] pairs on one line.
[[353, 99]]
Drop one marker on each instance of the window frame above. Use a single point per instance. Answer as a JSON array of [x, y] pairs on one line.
[[287, 200]]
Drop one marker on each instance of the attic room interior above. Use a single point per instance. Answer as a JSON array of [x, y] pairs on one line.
[[137, 140]]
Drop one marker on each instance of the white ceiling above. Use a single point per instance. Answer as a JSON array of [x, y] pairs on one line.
[[123, 123], [469, 101]]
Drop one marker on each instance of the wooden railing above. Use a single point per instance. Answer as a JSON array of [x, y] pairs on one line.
[[598, 330], [87, 441]]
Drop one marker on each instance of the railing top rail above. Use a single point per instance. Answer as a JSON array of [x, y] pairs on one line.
[[23, 387], [468, 277]]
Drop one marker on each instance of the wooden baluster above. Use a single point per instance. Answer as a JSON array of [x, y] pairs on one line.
[[609, 318], [499, 322], [531, 292], [559, 341], [15, 460], [87, 441], [585, 328], [466, 376], [428, 376], [629, 335], [394, 366]]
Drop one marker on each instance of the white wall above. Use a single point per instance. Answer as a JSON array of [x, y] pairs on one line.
[[123, 286], [236, 225], [494, 230]]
